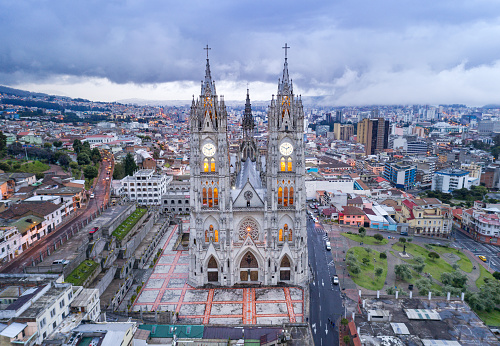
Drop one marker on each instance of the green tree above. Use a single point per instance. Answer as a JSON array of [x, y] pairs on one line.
[[344, 322], [119, 171], [402, 240], [129, 165], [403, 272], [361, 230], [346, 339], [378, 271], [419, 265], [455, 279], [57, 144], [90, 172], [433, 255], [365, 261], [64, 160], [383, 255], [77, 146], [73, 165], [47, 145], [354, 269], [3, 141], [83, 159], [378, 237], [96, 155], [496, 275], [4, 166]]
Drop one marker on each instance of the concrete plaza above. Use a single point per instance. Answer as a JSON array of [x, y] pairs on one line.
[[167, 289]]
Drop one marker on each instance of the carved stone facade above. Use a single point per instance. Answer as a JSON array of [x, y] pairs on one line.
[[250, 229]]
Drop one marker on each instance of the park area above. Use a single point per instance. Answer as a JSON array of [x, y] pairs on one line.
[[121, 231], [401, 265]]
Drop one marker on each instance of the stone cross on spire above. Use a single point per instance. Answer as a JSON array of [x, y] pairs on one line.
[[207, 49], [286, 47]]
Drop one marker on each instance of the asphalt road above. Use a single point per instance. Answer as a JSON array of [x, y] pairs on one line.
[[325, 299], [101, 192], [489, 251]]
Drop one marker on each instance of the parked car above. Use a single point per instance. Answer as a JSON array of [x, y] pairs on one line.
[[60, 261], [335, 280], [328, 246], [482, 258], [92, 195], [93, 230]]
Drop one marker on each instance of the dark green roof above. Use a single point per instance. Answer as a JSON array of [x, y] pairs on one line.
[[168, 331]]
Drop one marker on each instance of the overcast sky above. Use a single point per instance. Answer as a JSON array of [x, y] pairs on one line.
[[356, 52]]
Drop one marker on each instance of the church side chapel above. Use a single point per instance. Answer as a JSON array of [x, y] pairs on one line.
[[247, 226]]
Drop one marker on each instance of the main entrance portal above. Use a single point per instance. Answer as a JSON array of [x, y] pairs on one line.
[[249, 268]]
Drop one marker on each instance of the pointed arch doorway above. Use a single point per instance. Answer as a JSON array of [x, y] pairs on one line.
[[249, 268]]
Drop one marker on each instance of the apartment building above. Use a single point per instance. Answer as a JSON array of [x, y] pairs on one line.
[[483, 224], [146, 187], [401, 175], [426, 217], [450, 179], [10, 243], [176, 199]]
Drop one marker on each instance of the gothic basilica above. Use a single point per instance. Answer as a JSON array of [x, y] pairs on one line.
[[248, 220]]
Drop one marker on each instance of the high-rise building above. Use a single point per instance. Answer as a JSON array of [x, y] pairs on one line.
[[374, 134], [400, 174], [343, 132], [250, 229]]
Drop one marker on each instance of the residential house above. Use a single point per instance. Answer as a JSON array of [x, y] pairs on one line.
[[353, 216]]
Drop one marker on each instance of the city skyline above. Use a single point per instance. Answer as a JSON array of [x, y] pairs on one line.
[[348, 53]]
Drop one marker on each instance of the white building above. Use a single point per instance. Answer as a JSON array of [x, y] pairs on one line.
[[99, 139], [448, 180], [145, 186], [10, 241], [86, 302]]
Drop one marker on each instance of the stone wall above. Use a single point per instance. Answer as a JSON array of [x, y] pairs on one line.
[[103, 284]]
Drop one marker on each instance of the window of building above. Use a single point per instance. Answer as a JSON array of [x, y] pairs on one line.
[[283, 165]]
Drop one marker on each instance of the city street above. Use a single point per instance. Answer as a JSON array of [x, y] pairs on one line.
[[101, 192], [325, 298], [487, 250]]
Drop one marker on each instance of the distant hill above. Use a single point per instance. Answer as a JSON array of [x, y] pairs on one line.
[[18, 92]]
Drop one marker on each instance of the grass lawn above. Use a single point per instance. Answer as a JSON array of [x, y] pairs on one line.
[[121, 231], [369, 240], [490, 318], [82, 272], [484, 274], [464, 263], [26, 167], [433, 267], [366, 278]]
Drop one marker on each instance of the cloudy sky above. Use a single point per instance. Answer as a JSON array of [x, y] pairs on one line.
[[356, 52]]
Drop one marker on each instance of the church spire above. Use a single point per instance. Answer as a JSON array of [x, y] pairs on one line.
[[208, 86], [285, 85], [248, 124]]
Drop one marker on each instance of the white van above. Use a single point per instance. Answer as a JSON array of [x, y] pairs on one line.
[[328, 246], [60, 261]]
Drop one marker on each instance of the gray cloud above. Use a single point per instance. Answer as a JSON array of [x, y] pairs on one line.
[[357, 51]]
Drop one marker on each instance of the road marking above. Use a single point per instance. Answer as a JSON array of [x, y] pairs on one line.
[[326, 329], [331, 263], [322, 282], [314, 327]]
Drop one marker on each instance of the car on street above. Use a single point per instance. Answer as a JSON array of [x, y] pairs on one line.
[[93, 230], [107, 178], [328, 246], [92, 195], [335, 280], [60, 261], [482, 258]]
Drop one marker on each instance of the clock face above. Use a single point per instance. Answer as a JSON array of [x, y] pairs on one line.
[[286, 149], [248, 195], [208, 149]]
